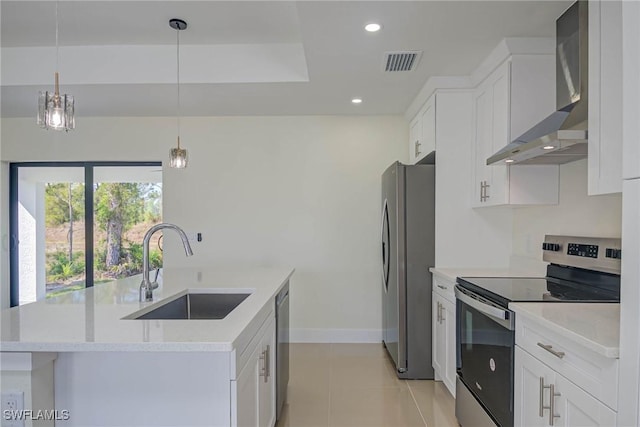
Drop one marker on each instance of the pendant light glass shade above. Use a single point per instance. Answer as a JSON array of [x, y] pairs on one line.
[[178, 157], [56, 111]]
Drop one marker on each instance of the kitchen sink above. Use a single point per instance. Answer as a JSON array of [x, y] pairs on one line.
[[195, 306]]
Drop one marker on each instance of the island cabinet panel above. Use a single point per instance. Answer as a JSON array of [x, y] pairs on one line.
[[253, 394], [150, 388], [247, 389]]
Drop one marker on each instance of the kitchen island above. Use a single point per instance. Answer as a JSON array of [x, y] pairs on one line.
[[115, 371]]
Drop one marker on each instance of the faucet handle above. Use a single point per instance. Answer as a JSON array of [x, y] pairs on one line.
[[153, 284]]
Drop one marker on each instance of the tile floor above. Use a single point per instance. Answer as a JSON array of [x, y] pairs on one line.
[[354, 385]]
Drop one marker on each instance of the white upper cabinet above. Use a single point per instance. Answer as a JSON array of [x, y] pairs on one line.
[[415, 138], [605, 97], [515, 96], [631, 84], [422, 132]]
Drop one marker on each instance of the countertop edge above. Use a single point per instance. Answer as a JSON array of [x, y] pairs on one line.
[[603, 350], [238, 343], [452, 273]]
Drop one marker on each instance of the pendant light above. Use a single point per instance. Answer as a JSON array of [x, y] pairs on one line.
[[56, 111], [178, 156]]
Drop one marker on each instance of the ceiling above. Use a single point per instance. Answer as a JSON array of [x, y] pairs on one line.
[[118, 58]]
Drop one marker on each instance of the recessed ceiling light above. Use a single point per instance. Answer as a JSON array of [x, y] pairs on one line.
[[357, 100], [373, 27], [548, 147], [509, 161]]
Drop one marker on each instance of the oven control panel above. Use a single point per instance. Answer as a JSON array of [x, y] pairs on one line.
[[588, 251], [593, 253]]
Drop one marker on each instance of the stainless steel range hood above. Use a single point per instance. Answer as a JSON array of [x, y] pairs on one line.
[[562, 136]]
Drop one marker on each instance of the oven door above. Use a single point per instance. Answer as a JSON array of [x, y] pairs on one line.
[[485, 348]]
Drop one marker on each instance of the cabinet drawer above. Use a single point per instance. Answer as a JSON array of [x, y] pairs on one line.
[[592, 372], [444, 288]]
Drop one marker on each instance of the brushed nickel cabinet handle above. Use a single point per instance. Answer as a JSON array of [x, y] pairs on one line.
[[552, 396], [549, 348], [541, 406], [443, 287], [263, 368], [417, 148], [267, 363]]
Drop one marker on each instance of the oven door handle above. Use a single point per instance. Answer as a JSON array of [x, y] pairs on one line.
[[498, 314]]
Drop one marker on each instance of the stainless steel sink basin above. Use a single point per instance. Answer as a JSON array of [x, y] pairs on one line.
[[195, 306]]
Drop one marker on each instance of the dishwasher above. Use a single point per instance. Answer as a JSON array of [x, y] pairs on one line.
[[282, 348]]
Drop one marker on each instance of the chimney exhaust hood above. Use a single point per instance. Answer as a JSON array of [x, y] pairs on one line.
[[562, 136]]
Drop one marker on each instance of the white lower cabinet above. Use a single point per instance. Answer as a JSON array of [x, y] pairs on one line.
[[544, 397], [255, 385], [444, 337]]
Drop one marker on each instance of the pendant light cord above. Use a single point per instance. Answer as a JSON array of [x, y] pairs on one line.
[[178, 78], [57, 48]]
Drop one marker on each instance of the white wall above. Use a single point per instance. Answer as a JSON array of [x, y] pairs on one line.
[[299, 191], [576, 215]]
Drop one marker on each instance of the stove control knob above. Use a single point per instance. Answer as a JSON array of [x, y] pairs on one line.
[[554, 247], [613, 253]]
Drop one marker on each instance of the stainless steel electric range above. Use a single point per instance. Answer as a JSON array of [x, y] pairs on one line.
[[581, 269]]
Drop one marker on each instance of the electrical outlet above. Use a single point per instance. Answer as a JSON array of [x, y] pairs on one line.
[[12, 404]]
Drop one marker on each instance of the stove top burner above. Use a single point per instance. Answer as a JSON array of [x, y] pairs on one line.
[[503, 290]]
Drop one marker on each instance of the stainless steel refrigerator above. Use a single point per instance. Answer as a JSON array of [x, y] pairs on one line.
[[408, 250]]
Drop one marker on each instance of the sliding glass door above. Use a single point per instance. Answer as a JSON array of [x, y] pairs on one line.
[[76, 224], [127, 202]]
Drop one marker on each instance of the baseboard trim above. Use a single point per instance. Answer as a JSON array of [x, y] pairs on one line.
[[335, 335]]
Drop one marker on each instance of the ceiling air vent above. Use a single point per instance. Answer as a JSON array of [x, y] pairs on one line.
[[401, 61]]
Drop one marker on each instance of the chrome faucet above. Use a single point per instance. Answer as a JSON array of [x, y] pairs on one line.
[[147, 286]]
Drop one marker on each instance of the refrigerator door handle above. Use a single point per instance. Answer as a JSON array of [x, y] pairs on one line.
[[386, 250]]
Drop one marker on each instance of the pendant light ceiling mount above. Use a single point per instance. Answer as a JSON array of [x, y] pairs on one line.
[[178, 156], [177, 24]]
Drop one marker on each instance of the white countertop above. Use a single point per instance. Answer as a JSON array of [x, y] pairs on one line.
[[91, 319], [452, 273], [592, 325]]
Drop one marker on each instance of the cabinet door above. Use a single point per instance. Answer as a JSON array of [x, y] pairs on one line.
[[576, 407], [428, 143], [438, 345], [497, 192], [531, 398], [247, 393], [415, 137], [605, 97], [449, 320], [267, 378], [483, 101]]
